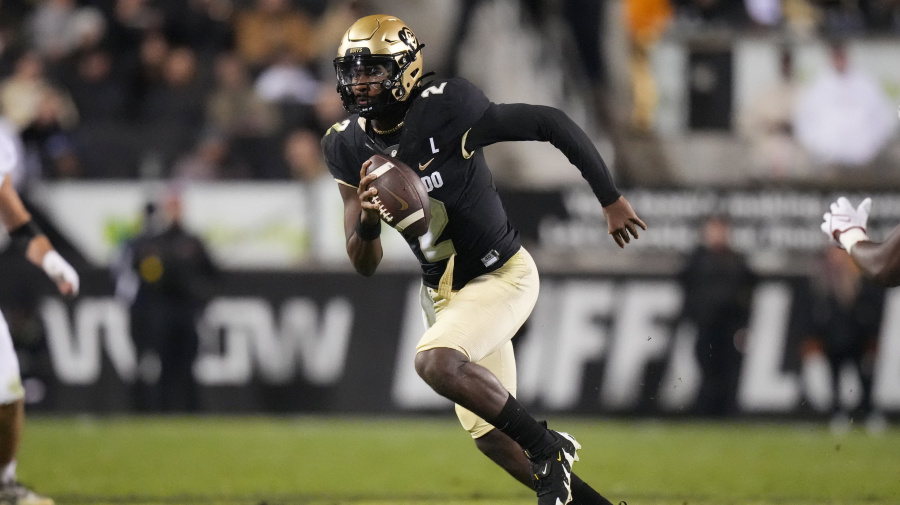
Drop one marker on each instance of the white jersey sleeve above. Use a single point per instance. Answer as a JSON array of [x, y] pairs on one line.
[[10, 151]]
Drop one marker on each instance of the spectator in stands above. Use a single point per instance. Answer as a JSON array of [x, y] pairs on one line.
[[90, 29], [767, 123], [766, 13], [210, 159], [51, 27], [134, 36], [128, 23], [292, 88], [647, 21], [177, 100], [44, 116], [270, 28], [718, 287], [206, 26], [22, 93], [137, 15], [89, 32], [251, 124], [802, 18], [844, 119], [173, 111], [233, 107], [287, 81], [62, 32], [146, 71], [846, 315], [49, 149], [97, 93]]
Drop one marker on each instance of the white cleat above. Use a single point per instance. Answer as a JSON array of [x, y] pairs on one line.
[[15, 493]]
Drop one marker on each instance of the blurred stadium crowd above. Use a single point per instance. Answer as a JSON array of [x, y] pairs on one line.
[[241, 89], [208, 89]]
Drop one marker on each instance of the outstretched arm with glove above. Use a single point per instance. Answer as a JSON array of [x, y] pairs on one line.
[[846, 225], [28, 238]]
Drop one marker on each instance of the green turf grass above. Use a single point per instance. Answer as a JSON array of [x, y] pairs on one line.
[[379, 461]]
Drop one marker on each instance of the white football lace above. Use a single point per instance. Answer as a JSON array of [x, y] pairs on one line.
[[382, 210]]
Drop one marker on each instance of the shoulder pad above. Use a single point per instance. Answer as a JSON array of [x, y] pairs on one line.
[[446, 109], [343, 145]]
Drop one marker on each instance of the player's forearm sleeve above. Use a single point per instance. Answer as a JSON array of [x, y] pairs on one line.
[[512, 122]]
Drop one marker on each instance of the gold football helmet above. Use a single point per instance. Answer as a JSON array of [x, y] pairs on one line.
[[378, 52]]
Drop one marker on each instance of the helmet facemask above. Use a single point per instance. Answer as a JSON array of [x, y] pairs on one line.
[[367, 83]]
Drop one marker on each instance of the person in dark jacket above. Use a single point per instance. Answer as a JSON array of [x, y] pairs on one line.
[[847, 309], [718, 286], [170, 274]]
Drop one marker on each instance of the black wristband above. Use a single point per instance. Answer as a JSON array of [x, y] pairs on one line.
[[23, 235], [368, 232]]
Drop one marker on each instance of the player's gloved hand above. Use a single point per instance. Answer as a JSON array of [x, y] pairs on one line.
[[845, 225], [61, 272]]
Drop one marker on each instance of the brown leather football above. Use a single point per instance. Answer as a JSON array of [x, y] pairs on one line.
[[402, 198]]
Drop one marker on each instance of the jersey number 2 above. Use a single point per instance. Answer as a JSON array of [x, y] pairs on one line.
[[437, 90], [442, 250]]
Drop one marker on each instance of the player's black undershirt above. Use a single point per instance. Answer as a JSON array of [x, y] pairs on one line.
[[519, 121]]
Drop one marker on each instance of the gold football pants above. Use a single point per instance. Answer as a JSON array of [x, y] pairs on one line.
[[480, 320]]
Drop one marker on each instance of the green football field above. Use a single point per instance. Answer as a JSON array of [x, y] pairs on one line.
[[369, 461]]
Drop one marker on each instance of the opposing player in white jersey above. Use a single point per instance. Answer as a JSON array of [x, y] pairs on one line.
[[26, 237]]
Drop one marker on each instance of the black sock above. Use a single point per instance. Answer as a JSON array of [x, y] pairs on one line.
[[514, 421], [583, 494]]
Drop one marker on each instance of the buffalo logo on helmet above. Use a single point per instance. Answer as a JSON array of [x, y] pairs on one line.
[[409, 38]]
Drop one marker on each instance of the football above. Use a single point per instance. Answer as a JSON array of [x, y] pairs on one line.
[[402, 198]]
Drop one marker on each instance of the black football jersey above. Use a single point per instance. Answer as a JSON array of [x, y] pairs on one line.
[[467, 216]]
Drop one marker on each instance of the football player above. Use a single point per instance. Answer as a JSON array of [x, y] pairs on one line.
[[26, 237], [845, 225], [479, 284]]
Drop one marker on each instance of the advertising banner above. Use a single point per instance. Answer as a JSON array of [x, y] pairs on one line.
[[342, 343], [283, 226]]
